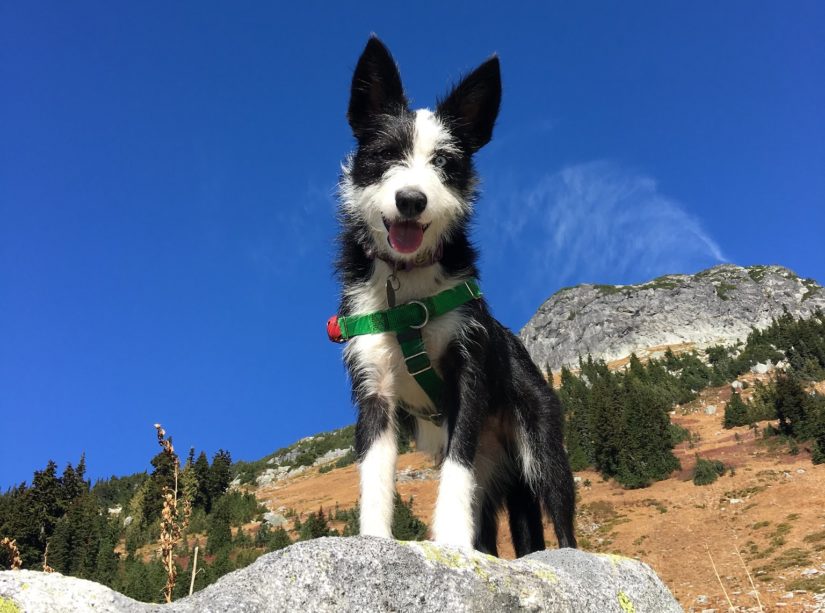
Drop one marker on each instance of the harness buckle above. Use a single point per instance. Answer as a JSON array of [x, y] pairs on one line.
[[426, 314]]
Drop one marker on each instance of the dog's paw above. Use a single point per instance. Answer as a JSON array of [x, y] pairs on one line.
[[375, 531], [454, 532], [458, 543]]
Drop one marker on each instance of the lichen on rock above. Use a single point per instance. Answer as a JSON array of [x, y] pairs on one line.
[[372, 574]]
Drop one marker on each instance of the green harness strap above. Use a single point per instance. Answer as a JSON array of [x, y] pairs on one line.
[[407, 320]]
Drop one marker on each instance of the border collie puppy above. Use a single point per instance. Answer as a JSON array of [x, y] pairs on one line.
[[406, 199]]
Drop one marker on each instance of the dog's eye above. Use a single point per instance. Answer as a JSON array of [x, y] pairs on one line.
[[386, 154], [440, 161]]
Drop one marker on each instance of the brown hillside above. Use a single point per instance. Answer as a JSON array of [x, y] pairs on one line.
[[771, 510]]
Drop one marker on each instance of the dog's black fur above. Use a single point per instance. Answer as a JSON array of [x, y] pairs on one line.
[[496, 400]]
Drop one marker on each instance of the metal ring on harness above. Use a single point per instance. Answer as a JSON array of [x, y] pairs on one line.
[[426, 315]]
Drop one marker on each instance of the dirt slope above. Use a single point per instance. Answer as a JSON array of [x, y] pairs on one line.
[[771, 510]]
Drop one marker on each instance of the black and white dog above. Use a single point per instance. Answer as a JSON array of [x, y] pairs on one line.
[[406, 198]]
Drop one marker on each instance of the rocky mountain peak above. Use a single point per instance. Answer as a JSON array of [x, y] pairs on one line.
[[719, 305]]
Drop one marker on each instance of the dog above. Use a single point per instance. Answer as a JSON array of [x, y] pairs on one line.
[[493, 424]]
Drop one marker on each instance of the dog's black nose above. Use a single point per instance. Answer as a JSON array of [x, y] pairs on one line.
[[410, 202]]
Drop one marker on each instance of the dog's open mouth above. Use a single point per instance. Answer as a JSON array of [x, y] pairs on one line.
[[405, 236]]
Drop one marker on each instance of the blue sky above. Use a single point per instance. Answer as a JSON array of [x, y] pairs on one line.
[[167, 175]]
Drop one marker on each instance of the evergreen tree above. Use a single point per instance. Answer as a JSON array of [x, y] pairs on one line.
[[220, 475], [47, 499], [316, 525], [106, 564], [201, 471], [736, 412], [405, 525], [71, 485], [75, 544], [163, 476], [790, 404], [646, 454], [271, 539], [219, 532], [605, 406], [135, 531]]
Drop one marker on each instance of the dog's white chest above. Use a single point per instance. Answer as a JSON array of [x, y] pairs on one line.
[[378, 358]]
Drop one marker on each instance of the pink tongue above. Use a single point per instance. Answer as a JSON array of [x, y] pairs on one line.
[[406, 236]]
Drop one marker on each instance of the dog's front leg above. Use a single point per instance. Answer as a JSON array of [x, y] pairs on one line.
[[454, 510], [376, 448]]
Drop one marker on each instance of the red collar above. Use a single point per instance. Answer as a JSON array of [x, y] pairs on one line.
[[422, 260]]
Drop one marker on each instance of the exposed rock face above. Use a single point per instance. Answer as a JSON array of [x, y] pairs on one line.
[[370, 574], [715, 306]]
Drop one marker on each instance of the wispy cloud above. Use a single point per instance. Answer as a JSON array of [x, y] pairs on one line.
[[598, 223]]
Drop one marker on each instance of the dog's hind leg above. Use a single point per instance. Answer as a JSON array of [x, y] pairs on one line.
[[487, 531], [524, 510], [546, 471], [559, 497], [376, 448]]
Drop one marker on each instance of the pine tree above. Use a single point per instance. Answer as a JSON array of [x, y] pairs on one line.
[[163, 476], [201, 470], [790, 404], [278, 539], [47, 498], [315, 526], [736, 412], [405, 525], [218, 532], [75, 544], [220, 475], [605, 407], [646, 454], [71, 485], [106, 563]]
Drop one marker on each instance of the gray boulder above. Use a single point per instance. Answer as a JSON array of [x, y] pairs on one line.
[[760, 368], [371, 574]]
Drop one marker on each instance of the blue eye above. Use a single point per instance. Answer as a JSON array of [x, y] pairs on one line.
[[440, 161]]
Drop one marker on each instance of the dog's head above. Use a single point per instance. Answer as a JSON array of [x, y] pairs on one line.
[[410, 182]]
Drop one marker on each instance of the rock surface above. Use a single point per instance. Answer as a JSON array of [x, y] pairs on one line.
[[370, 574], [715, 306]]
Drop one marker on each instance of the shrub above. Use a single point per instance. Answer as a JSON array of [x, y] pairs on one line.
[[707, 471]]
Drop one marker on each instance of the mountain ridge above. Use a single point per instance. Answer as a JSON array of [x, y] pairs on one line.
[[719, 305]]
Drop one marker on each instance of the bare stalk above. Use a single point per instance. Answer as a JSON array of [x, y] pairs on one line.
[[173, 519], [719, 579], [46, 567], [194, 571], [747, 572]]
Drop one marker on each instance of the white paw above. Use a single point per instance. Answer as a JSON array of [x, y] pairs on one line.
[[453, 522], [459, 543], [381, 533]]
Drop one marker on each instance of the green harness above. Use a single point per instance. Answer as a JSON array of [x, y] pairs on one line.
[[407, 320]]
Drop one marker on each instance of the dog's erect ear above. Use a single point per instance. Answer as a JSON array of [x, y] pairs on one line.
[[472, 107], [376, 88]]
